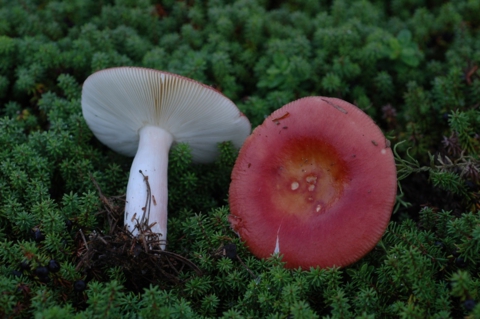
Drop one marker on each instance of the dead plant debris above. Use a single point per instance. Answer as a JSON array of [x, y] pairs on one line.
[[140, 257]]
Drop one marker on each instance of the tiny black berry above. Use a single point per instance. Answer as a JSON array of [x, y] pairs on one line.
[[230, 251], [461, 262], [53, 266], [41, 271], [469, 304], [79, 285], [16, 273], [38, 236], [24, 265]]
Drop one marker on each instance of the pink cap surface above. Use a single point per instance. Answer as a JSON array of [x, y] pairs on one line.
[[316, 183]]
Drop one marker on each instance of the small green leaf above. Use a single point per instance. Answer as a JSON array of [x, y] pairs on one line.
[[404, 37], [395, 48], [281, 61], [409, 57]]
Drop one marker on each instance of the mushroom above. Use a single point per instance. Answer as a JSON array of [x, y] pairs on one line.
[[141, 112], [316, 183]]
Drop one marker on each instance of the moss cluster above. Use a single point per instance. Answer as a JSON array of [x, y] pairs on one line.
[[413, 65]]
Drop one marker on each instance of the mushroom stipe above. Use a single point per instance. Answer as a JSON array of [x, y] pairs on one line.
[[310, 184]]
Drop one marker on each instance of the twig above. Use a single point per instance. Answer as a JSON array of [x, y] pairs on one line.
[[245, 266], [83, 237], [148, 201]]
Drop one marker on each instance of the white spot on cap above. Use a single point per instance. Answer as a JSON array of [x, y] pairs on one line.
[[383, 151], [295, 186], [311, 188], [311, 179], [319, 207]]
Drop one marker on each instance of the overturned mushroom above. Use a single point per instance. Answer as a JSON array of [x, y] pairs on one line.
[[316, 183], [141, 112]]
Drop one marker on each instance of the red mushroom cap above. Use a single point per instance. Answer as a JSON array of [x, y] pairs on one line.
[[316, 182]]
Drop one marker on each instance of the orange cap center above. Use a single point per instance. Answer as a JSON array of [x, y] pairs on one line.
[[309, 180]]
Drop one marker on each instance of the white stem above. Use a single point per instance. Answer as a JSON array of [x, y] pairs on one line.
[[148, 201]]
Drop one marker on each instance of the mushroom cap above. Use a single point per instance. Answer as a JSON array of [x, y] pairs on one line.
[[118, 102], [316, 183]]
